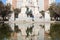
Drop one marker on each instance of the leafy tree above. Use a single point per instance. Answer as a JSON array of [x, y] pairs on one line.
[[42, 12], [17, 11], [54, 10], [5, 10]]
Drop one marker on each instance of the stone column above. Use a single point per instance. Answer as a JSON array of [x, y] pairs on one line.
[[37, 15], [22, 15], [47, 20], [47, 16]]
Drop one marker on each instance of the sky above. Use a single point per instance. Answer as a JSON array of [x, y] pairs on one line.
[[4, 1], [57, 1]]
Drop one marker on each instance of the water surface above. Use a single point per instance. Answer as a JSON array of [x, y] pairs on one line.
[[29, 31]]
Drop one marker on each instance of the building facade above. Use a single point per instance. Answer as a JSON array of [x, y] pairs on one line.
[[34, 5], [42, 4]]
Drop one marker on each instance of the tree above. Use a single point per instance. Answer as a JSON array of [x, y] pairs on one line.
[[54, 10], [5, 10], [17, 11], [42, 12]]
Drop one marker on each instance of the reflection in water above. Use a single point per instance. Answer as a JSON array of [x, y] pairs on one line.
[[47, 27], [16, 31], [55, 31], [16, 28], [29, 31], [5, 31]]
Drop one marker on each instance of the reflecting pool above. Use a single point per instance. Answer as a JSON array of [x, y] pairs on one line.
[[29, 31]]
